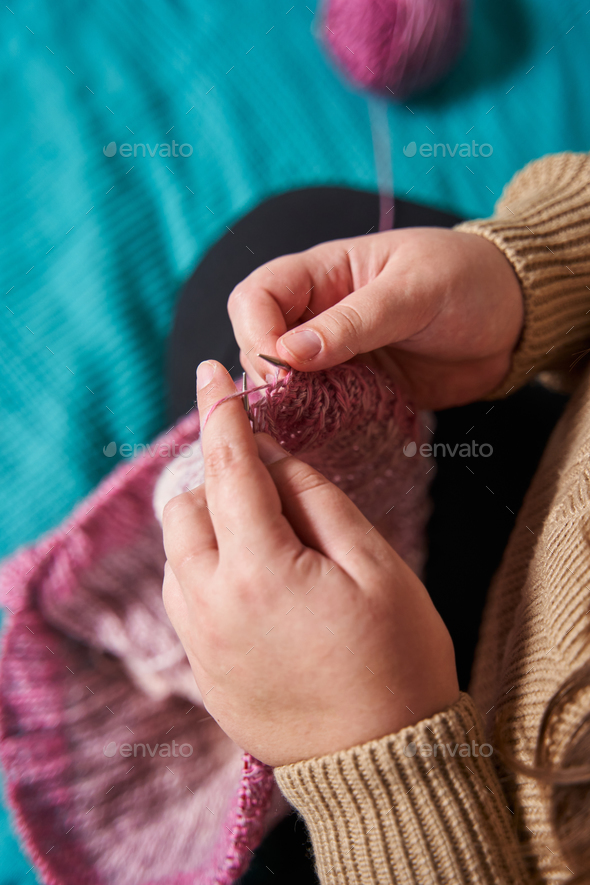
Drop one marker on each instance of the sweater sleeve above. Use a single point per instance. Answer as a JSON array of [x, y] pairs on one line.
[[397, 810], [542, 225]]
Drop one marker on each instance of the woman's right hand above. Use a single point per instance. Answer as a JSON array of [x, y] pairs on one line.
[[270, 558], [443, 307]]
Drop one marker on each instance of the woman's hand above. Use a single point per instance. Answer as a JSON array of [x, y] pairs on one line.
[[446, 305], [306, 632]]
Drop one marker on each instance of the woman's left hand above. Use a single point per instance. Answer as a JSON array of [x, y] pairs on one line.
[[306, 632]]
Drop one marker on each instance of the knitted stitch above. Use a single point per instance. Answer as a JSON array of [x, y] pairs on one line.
[[353, 426], [91, 663]]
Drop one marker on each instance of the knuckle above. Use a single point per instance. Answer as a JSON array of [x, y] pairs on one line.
[[303, 479], [349, 318], [176, 508], [242, 293], [172, 597], [169, 594], [223, 458], [235, 299], [241, 587]]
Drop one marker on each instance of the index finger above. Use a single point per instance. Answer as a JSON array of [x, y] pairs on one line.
[[285, 292], [242, 499]]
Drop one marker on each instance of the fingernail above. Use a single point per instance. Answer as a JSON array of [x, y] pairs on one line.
[[205, 373], [303, 345], [269, 451]]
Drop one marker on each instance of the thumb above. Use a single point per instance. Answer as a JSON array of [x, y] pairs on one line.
[[369, 318]]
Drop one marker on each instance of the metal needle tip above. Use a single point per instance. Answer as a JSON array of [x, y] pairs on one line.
[[245, 397], [274, 361]]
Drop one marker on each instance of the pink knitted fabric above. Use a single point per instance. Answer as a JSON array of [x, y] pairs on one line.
[[98, 706], [352, 424]]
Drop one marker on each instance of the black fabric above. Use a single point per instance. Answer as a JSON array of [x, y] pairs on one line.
[[475, 498], [476, 501], [284, 858], [290, 222]]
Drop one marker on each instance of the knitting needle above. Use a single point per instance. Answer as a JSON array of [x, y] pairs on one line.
[[274, 361], [245, 397]]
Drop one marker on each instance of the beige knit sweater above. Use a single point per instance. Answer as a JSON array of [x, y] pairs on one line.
[[377, 813]]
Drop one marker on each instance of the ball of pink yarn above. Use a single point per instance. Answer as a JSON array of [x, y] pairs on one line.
[[395, 46]]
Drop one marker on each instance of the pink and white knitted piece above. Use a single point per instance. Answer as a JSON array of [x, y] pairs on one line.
[[90, 661]]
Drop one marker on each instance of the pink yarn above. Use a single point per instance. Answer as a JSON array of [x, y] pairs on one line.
[[86, 616], [395, 46], [352, 423], [90, 659]]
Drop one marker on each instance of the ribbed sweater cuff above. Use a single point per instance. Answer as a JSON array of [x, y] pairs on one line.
[[542, 225], [378, 814]]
